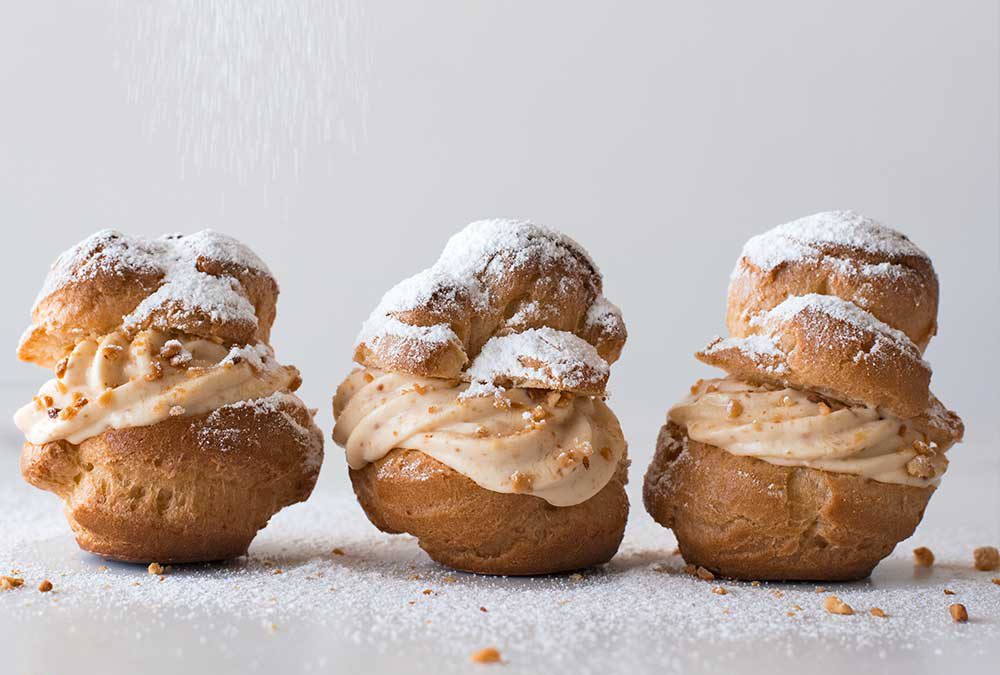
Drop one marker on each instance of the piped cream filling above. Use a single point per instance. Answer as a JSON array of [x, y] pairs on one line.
[[557, 446], [115, 382], [790, 427]]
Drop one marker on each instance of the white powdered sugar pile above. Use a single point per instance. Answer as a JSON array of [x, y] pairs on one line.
[[802, 240], [557, 359], [323, 589], [175, 257], [484, 250]]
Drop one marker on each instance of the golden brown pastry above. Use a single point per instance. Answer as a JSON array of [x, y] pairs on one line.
[[170, 431], [819, 451], [477, 422]]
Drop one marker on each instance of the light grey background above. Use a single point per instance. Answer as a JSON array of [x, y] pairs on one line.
[[660, 135]]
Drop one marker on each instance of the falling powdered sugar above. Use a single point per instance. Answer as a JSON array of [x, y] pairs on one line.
[[249, 87]]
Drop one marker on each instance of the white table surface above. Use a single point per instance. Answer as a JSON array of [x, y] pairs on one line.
[[366, 611]]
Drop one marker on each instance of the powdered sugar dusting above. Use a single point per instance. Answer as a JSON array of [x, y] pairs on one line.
[[836, 308], [173, 257], [217, 435], [482, 252], [804, 238], [551, 358], [761, 349], [604, 314]]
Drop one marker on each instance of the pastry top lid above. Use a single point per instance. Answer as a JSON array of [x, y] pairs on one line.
[[508, 303], [206, 284]]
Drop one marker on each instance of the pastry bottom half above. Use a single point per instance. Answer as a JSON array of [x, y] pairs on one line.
[[187, 489], [469, 528], [744, 518]]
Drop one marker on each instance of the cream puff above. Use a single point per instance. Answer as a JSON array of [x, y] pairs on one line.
[[477, 421], [818, 452], [169, 430]]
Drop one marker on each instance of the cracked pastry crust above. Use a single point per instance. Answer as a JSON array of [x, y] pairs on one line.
[[744, 518], [456, 521]]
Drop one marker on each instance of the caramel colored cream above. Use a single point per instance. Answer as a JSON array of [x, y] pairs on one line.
[[114, 382], [797, 428], [557, 446]]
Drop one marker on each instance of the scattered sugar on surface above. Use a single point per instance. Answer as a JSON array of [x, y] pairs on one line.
[[639, 609], [802, 239]]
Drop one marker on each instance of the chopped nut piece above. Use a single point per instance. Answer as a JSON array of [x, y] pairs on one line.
[[958, 613], [755, 584], [419, 388], [486, 655], [61, 367], [719, 590], [155, 372], [824, 409], [369, 377], [734, 409], [948, 591], [921, 466], [427, 591], [778, 594], [879, 612], [606, 453], [690, 569], [835, 605], [996, 580], [45, 586], [704, 574], [155, 568], [171, 348], [521, 482], [576, 577], [10, 583], [483, 609], [923, 557], [337, 551], [986, 558]]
